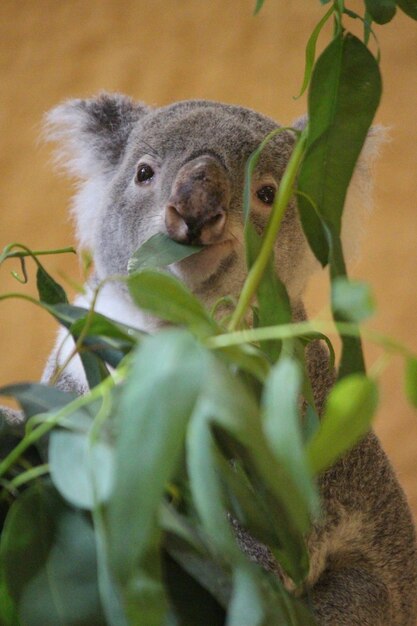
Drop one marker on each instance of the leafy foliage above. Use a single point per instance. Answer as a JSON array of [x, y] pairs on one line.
[[200, 427]]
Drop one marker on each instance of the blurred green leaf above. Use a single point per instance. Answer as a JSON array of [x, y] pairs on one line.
[[169, 299], [37, 398], [311, 423], [347, 418], [352, 301], [247, 358], [227, 404], [246, 606], [409, 7], [57, 584], [81, 471], [282, 424], [102, 327], [192, 603], [48, 289], [259, 5], [411, 380], [381, 11], [95, 369], [158, 399], [344, 95], [8, 611], [159, 251]]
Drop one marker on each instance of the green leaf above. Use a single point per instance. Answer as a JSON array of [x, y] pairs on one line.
[[82, 472], [248, 358], [190, 548], [246, 606], [409, 7], [282, 425], [8, 611], [102, 327], [95, 369], [411, 380], [158, 399], [48, 289], [105, 340], [191, 602], [159, 251], [37, 398], [57, 584], [343, 97], [168, 298], [258, 7], [347, 418], [227, 408], [352, 301], [109, 593], [381, 11], [310, 54]]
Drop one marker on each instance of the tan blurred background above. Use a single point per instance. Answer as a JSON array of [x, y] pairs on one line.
[[164, 50]]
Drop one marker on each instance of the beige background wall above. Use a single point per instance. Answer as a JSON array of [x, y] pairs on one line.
[[164, 50]]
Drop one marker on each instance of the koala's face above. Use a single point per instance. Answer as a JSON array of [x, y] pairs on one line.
[[178, 170]]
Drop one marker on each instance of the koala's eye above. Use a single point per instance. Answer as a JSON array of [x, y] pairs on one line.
[[266, 194], [144, 174]]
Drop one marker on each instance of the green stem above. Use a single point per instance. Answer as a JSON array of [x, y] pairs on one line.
[[31, 474], [286, 190], [23, 253], [21, 296], [291, 331]]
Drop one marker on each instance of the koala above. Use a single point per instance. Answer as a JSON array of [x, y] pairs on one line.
[[179, 170]]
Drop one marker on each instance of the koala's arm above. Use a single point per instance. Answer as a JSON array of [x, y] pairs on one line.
[[363, 555]]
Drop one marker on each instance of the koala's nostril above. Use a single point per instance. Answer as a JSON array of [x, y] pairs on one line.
[[176, 226], [213, 227], [204, 227]]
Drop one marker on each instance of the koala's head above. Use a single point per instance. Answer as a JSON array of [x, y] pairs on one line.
[[179, 170]]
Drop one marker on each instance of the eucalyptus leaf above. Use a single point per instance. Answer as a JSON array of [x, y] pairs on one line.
[[381, 11], [347, 418], [82, 472], [8, 611], [352, 301], [37, 398], [259, 5], [232, 409], [95, 369], [192, 603], [168, 298], [310, 53], [57, 584], [247, 607], [282, 424], [411, 380], [159, 396], [159, 251], [49, 290], [343, 97], [409, 7]]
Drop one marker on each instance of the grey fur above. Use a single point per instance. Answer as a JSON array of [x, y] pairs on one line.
[[363, 551]]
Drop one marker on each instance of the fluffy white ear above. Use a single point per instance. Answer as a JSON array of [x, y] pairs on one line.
[[92, 133], [91, 136], [358, 200]]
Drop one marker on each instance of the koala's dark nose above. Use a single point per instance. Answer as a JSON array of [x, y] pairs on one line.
[[197, 209]]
